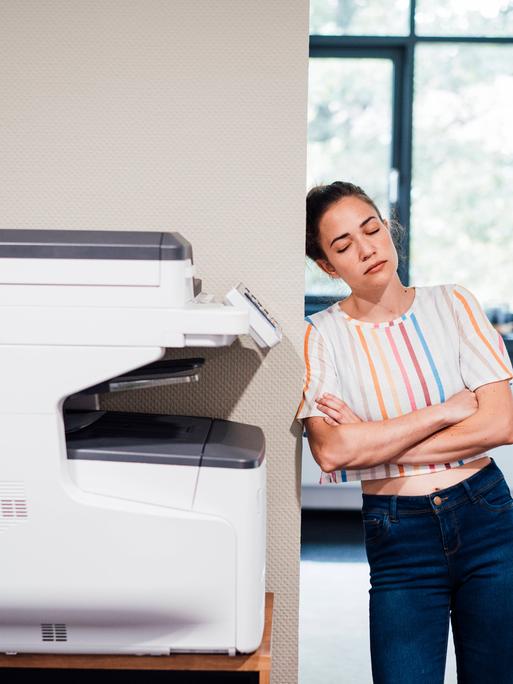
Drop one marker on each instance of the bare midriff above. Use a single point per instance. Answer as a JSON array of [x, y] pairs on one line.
[[417, 485]]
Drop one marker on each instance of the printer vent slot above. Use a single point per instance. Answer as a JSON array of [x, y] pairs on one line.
[[13, 504], [54, 631], [13, 508]]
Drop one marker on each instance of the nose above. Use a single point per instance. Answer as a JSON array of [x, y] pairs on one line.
[[367, 249]]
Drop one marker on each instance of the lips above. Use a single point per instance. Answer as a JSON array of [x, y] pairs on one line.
[[374, 265]]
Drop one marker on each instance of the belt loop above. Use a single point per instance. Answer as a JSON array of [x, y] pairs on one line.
[[393, 507], [472, 496]]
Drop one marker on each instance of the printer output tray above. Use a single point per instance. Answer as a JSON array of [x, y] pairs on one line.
[[172, 440], [153, 374]]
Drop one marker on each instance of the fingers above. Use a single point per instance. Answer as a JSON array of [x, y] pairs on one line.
[[331, 407], [334, 413], [336, 409], [330, 400]]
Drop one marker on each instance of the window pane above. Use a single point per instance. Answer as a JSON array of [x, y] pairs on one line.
[[357, 17], [462, 204], [349, 134], [464, 17]]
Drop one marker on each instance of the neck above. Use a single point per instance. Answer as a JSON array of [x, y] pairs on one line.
[[380, 303]]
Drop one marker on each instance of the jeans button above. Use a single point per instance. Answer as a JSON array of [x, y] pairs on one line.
[[437, 500]]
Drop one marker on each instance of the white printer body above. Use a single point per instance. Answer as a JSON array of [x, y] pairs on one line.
[[142, 534]]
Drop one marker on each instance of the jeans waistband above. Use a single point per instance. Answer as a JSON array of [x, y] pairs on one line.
[[452, 496]]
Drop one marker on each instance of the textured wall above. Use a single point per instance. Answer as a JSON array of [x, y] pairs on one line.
[[185, 116]]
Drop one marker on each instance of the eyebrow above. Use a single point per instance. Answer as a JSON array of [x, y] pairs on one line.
[[340, 237]]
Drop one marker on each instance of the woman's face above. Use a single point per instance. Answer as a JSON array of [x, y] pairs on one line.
[[354, 239]]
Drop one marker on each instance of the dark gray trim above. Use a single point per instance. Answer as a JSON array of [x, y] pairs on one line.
[[167, 440], [93, 244], [175, 246], [233, 445]]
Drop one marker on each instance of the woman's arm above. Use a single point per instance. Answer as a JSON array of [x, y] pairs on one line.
[[490, 426], [354, 446]]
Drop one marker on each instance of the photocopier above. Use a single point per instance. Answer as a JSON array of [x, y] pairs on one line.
[[122, 532]]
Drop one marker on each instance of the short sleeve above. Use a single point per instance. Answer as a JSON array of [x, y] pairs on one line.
[[320, 374], [483, 354]]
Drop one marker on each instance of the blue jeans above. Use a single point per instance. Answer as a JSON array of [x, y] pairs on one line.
[[445, 555]]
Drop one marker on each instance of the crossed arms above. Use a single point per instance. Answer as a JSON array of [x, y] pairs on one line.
[[468, 423]]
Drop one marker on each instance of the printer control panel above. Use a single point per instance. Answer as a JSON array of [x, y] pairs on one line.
[[264, 329]]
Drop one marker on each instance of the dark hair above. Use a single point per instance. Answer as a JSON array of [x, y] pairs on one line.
[[320, 198]]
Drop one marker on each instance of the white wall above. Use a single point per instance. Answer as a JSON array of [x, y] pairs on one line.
[[190, 117]]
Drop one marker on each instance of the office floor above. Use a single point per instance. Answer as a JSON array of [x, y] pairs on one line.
[[333, 611]]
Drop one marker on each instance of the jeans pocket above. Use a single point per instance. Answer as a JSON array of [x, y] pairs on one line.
[[498, 498], [375, 526]]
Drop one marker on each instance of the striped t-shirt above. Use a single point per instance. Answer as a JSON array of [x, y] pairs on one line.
[[442, 344]]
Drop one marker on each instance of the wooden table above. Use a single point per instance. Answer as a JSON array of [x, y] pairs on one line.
[[259, 661]]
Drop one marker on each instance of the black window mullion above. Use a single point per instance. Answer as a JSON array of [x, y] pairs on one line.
[[413, 7], [403, 123]]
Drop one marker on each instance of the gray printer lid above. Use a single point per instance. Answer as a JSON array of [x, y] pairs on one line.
[[172, 440], [93, 244]]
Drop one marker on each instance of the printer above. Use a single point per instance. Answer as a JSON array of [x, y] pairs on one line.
[[122, 532]]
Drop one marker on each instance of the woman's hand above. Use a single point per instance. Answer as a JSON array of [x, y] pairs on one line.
[[460, 406], [337, 411]]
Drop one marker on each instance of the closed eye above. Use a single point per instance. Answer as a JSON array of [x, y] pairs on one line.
[[343, 250]]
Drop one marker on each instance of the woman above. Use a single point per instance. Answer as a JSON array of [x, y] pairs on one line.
[[405, 389]]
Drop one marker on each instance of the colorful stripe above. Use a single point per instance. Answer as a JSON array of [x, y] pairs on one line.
[[384, 370], [429, 357], [372, 369], [415, 362], [308, 370], [478, 330], [406, 380]]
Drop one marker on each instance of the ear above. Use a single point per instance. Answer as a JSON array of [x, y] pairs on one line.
[[326, 267]]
